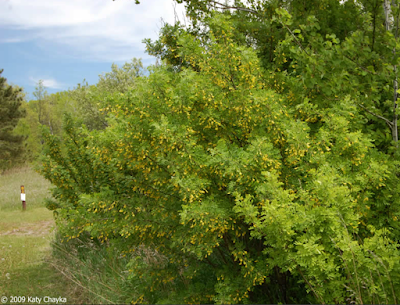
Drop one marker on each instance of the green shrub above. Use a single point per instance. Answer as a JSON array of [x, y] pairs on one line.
[[222, 193]]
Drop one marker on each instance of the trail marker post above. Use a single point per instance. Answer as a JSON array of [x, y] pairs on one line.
[[23, 198]]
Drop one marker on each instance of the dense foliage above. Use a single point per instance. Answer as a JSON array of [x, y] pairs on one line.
[[11, 144], [258, 164], [82, 102]]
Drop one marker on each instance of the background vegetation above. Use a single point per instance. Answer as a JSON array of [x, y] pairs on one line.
[[257, 164]]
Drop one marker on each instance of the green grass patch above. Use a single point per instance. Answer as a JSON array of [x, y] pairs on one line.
[[40, 281], [19, 251], [26, 269], [26, 265], [36, 189], [18, 217]]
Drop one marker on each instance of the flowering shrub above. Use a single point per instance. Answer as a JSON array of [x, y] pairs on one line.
[[229, 190]]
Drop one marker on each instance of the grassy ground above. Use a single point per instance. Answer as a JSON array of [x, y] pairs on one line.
[[26, 265], [36, 189]]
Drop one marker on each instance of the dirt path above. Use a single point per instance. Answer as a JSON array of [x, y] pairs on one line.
[[40, 228], [26, 264]]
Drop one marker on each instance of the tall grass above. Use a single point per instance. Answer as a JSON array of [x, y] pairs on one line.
[[36, 189], [100, 270]]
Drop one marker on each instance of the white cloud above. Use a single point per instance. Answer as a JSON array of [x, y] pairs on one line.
[[47, 82], [97, 30], [11, 40]]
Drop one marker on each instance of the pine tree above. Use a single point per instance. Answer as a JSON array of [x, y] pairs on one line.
[[11, 145]]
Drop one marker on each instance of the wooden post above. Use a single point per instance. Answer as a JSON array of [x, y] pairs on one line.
[[23, 198]]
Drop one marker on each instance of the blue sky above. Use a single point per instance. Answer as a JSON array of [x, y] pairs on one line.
[[63, 42]]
